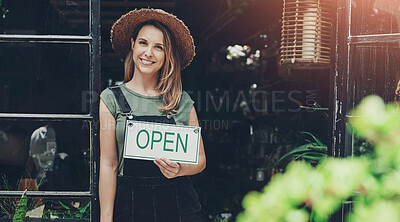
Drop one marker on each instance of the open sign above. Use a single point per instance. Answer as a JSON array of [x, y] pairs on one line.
[[146, 140]]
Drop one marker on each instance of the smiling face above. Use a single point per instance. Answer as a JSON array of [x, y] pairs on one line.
[[148, 51]]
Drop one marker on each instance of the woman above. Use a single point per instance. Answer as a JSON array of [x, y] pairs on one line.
[[155, 46]]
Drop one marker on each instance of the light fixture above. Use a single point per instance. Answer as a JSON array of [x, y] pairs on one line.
[[306, 34]]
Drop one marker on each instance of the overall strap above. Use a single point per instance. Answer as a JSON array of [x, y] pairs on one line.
[[121, 100]]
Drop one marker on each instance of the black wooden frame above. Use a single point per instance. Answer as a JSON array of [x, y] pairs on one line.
[[341, 85], [94, 41]]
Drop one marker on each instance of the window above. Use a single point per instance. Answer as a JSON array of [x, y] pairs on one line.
[[49, 87]]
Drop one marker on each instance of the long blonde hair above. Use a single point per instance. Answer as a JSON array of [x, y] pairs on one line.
[[169, 81]]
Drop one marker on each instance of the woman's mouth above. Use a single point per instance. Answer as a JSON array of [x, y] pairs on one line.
[[146, 62]]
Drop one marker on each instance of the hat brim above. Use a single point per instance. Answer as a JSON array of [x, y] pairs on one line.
[[122, 30]]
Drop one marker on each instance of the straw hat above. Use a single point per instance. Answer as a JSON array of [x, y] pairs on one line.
[[122, 31]]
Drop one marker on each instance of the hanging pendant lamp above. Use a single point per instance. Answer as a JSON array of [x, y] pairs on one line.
[[306, 34]]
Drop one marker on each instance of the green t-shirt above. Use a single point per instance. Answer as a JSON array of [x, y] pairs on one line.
[[141, 106]]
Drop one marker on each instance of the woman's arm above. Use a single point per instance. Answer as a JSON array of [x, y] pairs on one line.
[[108, 164], [172, 169]]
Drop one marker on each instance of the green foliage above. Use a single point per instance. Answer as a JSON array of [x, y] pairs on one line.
[[362, 147], [7, 205], [5, 182], [317, 107], [69, 213], [3, 11], [313, 152], [218, 218], [306, 193], [22, 208]]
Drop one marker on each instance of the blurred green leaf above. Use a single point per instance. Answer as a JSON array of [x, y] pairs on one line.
[[305, 193]]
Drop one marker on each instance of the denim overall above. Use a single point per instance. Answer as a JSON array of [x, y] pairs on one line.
[[144, 194]]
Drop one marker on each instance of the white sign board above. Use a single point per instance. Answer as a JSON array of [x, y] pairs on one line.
[[146, 141]]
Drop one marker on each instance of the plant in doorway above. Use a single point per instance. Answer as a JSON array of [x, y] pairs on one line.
[[313, 151]]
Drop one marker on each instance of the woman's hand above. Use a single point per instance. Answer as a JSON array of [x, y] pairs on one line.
[[172, 169], [168, 168]]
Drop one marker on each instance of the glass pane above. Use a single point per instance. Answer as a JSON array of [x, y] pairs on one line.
[[44, 155], [44, 17], [44, 78], [375, 69], [375, 17], [42, 209]]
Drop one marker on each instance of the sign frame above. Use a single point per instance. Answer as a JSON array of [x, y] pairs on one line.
[[125, 155]]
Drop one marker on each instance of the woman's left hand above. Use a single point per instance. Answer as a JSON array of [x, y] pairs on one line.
[[168, 168]]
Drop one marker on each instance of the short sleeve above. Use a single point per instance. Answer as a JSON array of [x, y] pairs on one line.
[[109, 100], [184, 108]]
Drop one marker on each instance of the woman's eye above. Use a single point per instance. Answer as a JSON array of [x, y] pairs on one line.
[[159, 47], [142, 42]]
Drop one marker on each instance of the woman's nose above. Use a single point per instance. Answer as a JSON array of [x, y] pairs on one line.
[[149, 52]]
